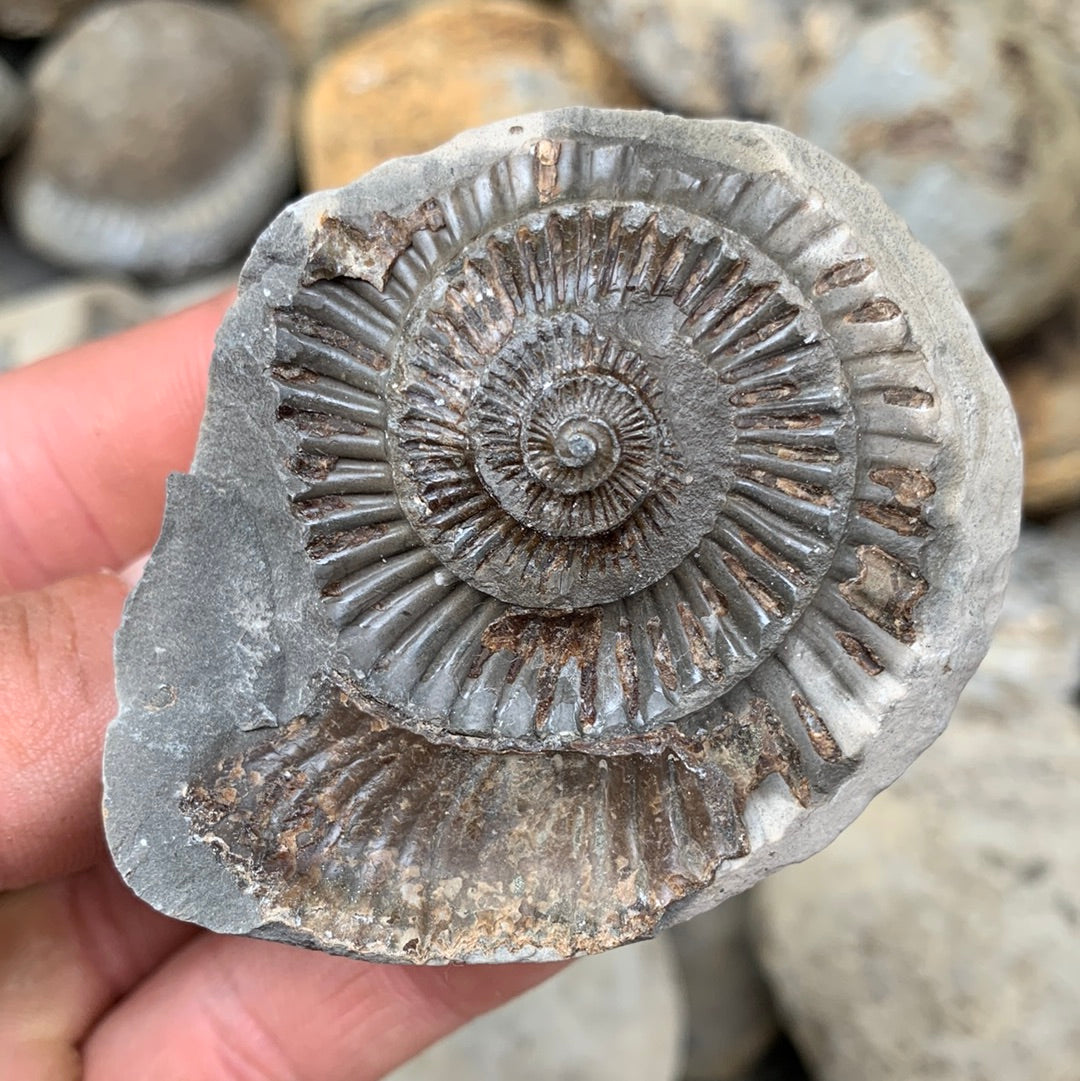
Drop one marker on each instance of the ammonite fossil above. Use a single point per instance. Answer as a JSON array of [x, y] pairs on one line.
[[589, 517]]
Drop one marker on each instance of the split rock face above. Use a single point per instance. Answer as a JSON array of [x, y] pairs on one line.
[[589, 517]]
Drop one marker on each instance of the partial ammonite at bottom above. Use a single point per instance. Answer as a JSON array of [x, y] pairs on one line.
[[589, 517]]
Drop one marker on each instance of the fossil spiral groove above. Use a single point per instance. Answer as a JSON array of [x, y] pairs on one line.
[[628, 487]]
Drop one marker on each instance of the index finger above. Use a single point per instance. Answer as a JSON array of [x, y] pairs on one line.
[[87, 439]]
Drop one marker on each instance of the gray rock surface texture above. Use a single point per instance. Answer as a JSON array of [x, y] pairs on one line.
[[938, 938], [160, 142], [710, 57], [616, 1017], [22, 271], [375, 700]]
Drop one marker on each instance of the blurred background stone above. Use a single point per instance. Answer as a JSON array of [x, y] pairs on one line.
[[312, 28], [731, 1020], [959, 116], [958, 111], [165, 299], [22, 271], [1061, 21], [32, 18], [13, 104], [614, 1017], [58, 317], [735, 58], [160, 142], [1042, 373], [938, 939], [419, 80]]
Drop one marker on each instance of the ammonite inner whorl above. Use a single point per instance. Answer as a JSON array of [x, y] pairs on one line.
[[589, 516]]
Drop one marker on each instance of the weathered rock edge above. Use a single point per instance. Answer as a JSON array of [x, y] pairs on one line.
[[221, 586]]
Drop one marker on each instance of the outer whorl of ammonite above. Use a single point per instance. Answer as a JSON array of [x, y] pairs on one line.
[[160, 141], [593, 514]]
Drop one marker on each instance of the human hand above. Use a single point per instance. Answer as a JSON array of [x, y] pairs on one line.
[[94, 984]]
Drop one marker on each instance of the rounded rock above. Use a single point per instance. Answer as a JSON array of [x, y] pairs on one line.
[[606, 504], [418, 80], [160, 142], [959, 116]]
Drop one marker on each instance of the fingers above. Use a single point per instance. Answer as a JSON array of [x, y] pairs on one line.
[[56, 697], [230, 1009], [68, 950], [86, 441]]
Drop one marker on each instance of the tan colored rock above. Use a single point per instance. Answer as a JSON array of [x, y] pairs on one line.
[[1043, 376], [418, 81], [1061, 21], [313, 28]]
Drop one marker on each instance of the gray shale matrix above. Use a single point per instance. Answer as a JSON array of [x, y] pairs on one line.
[[589, 518]]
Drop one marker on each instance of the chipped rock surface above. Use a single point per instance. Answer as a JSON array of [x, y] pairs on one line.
[[939, 937], [420, 79], [589, 517], [617, 1017], [1042, 373], [959, 115], [730, 1015], [103, 181]]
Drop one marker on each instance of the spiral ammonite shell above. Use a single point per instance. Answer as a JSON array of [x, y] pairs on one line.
[[596, 512]]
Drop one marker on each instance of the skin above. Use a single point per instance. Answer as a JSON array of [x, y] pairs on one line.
[[94, 984]]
